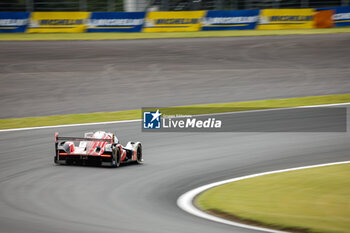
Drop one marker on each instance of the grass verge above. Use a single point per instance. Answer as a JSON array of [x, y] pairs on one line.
[[189, 110], [163, 35], [308, 200]]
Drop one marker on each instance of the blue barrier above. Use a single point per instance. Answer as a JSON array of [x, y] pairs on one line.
[[341, 16], [230, 20], [116, 22], [13, 21]]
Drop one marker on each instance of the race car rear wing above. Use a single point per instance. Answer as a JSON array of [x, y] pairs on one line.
[[57, 138]]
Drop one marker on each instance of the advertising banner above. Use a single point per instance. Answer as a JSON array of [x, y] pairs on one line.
[[13, 21], [116, 22], [341, 15], [177, 21], [323, 19], [58, 21], [286, 19], [230, 20]]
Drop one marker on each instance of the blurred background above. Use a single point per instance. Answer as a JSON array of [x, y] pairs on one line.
[[161, 5]]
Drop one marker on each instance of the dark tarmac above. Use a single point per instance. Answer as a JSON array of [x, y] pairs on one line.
[[42, 78]]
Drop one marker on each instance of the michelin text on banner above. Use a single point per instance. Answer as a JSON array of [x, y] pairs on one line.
[[116, 22], [13, 21], [230, 20], [286, 19], [177, 21], [58, 21]]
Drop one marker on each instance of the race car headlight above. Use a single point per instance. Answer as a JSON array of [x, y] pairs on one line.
[[108, 148]]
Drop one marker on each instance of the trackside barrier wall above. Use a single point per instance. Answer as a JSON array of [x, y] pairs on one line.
[[177, 21], [13, 21], [341, 15], [323, 19], [286, 19], [58, 22], [116, 22], [230, 20], [173, 21]]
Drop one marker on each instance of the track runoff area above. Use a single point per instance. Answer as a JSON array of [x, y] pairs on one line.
[[302, 199], [167, 35]]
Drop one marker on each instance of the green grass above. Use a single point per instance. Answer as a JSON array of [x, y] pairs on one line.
[[308, 200], [160, 35], [189, 110]]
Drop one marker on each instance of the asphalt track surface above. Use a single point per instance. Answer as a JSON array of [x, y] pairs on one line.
[[38, 196], [63, 77]]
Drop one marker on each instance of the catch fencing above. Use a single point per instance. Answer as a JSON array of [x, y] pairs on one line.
[[161, 5]]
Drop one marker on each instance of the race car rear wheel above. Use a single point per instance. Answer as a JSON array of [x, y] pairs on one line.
[[139, 154], [116, 157]]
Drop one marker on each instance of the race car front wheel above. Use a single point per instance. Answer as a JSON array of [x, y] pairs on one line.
[[116, 157]]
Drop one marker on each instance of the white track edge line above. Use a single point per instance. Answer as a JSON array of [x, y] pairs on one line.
[[275, 109], [71, 125], [185, 201], [136, 120]]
